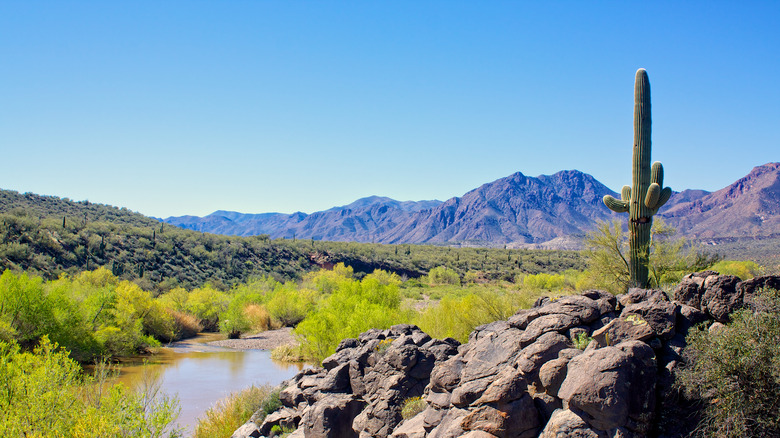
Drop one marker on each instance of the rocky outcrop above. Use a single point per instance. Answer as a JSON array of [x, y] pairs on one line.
[[359, 391], [522, 377]]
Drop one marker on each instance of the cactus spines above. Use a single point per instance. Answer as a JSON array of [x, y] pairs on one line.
[[645, 196]]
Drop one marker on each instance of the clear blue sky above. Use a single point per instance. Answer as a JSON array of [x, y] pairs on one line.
[[186, 107]]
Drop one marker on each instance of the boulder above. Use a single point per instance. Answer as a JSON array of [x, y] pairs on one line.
[[247, 430], [555, 322], [552, 374], [638, 295], [545, 348], [331, 417], [565, 423], [612, 385], [660, 315], [449, 425], [510, 384], [630, 327], [749, 287], [690, 289], [584, 308], [721, 296], [687, 317], [515, 419]]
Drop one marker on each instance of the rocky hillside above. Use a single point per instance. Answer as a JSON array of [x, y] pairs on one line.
[[519, 211], [750, 207], [523, 377]]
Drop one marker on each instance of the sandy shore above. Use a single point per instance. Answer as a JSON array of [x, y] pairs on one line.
[[267, 340]]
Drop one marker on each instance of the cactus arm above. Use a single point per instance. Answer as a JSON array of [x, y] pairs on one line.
[[656, 200], [615, 205], [653, 193], [657, 173], [666, 193], [625, 194]]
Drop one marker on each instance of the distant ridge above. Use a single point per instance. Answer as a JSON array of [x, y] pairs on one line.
[[518, 210]]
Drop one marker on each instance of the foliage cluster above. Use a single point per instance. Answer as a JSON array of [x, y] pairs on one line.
[[669, 258], [43, 393], [735, 372], [92, 315]]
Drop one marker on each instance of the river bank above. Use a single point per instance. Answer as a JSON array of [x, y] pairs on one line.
[[267, 340]]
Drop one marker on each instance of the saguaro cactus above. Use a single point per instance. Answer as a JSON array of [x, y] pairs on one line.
[[645, 196]]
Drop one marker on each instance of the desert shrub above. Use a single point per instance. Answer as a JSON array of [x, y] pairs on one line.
[[228, 414], [459, 313], [412, 406], [185, 325], [175, 299], [26, 306], [354, 307], [44, 394], [744, 269], [670, 258], [259, 317], [443, 275], [735, 372], [281, 431], [289, 304], [233, 320], [288, 353], [544, 281], [581, 341], [206, 303], [326, 281]]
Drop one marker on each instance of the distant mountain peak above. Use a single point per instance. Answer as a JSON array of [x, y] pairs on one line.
[[516, 209]]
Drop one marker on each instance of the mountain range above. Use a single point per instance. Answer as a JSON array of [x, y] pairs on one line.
[[517, 211]]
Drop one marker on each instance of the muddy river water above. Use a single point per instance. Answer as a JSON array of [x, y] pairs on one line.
[[200, 374]]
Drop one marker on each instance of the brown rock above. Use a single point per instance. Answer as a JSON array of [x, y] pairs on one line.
[[721, 296], [567, 424], [612, 384], [660, 315]]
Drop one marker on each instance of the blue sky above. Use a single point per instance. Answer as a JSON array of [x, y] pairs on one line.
[[186, 107]]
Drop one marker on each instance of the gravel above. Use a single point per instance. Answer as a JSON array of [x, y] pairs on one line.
[[267, 340]]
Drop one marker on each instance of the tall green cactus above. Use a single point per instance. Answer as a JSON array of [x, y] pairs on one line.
[[645, 196]]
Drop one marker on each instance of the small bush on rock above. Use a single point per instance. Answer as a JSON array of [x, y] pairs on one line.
[[412, 406]]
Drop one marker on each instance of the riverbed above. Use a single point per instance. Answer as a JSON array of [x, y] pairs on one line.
[[200, 373]]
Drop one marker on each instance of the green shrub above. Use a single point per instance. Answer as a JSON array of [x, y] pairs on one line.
[[736, 373], [289, 305], [354, 307], [582, 340], [744, 269], [206, 304], [44, 394], [544, 281], [443, 275]]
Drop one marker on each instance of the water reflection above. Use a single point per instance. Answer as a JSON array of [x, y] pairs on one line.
[[200, 374]]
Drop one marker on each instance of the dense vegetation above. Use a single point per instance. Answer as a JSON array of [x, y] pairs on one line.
[[734, 372], [50, 236], [44, 393]]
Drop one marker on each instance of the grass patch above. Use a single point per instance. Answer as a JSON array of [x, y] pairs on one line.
[[230, 413], [412, 406]]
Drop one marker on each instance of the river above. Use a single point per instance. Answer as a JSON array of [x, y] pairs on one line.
[[201, 374]]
